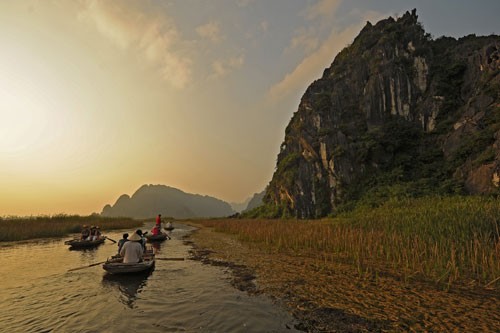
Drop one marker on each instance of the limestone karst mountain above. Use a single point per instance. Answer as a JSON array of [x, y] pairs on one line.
[[255, 201], [150, 200], [240, 206], [398, 113]]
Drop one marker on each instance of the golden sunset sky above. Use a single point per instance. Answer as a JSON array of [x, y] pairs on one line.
[[100, 97]]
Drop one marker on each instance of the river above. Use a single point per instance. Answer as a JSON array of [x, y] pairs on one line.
[[39, 294]]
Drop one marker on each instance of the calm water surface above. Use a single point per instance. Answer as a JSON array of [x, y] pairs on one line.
[[38, 294]]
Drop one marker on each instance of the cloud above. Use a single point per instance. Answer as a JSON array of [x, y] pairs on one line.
[[322, 8], [153, 37], [313, 65], [243, 3], [223, 67], [210, 31], [305, 39], [264, 26], [322, 13]]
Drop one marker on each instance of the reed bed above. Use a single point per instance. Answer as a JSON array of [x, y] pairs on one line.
[[22, 228], [442, 239]]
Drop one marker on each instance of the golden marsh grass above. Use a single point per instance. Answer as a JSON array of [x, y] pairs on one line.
[[21, 228], [441, 239]]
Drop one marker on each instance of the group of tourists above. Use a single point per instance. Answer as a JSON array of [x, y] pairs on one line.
[[132, 248], [90, 233]]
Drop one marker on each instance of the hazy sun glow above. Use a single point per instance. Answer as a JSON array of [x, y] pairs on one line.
[[100, 97]]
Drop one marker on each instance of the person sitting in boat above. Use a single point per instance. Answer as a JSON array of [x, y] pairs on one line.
[[97, 234], [156, 230], [143, 239], [132, 250], [122, 241], [92, 233], [85, 232]]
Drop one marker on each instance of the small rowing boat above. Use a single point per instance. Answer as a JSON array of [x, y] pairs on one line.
[[157, 238], [84, 244], [115, 265]]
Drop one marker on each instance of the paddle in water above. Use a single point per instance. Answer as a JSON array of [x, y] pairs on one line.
[[94, 264], [110, 239], [178, 259]]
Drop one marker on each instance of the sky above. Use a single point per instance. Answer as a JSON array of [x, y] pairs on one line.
[[98, 98]]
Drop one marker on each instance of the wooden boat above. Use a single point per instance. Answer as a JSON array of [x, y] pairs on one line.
[[157, 238], [115, 265], [84, 244]]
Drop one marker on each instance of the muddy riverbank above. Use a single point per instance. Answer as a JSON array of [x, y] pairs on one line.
[[326, 297]]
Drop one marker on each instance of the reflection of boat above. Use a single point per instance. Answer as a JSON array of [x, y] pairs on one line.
[[84, 244], [156, 246], [128, 285], [115, 265], [157, 238]]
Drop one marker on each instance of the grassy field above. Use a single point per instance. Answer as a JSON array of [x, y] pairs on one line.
[[446, 240], [17, 228]]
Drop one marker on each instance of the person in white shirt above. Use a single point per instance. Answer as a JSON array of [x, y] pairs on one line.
[[132, 250]]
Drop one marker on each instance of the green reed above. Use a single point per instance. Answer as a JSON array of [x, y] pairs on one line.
[[442, 239], [22, 228]]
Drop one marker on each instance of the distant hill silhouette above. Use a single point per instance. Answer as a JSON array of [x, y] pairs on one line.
[[256, 201], [151, 200], [240, 206]]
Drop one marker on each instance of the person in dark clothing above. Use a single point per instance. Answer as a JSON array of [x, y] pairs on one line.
[[122, 241], [85, 232], [143, 239]]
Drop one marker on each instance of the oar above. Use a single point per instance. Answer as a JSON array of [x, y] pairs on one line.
[[110, 239], [95, 264], [177, 259]]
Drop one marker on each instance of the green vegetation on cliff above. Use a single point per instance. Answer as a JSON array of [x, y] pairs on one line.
[[397, 115]]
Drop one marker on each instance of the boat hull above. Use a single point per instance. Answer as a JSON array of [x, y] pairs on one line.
[[84, 244], [130, 268], [157, 238]]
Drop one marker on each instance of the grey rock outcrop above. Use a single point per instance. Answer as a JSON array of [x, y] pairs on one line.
[[396, 106]]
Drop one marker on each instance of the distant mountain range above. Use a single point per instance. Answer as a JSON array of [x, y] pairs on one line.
[[240, 206], [151, 200], [255, 201]]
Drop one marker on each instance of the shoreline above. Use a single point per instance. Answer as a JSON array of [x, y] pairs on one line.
[[339, 297]]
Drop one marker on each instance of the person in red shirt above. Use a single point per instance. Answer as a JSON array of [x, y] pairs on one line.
[[158, 221], [156, 230]]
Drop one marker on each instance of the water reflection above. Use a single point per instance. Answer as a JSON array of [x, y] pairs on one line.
[[156, 246], [88, 248], [128, 285], [42, 296]]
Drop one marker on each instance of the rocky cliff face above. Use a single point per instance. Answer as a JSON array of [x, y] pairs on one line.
[[395, 112], [151, 200]]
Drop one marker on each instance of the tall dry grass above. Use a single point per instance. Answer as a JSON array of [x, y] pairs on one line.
[[444, 239], [22, 228]]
